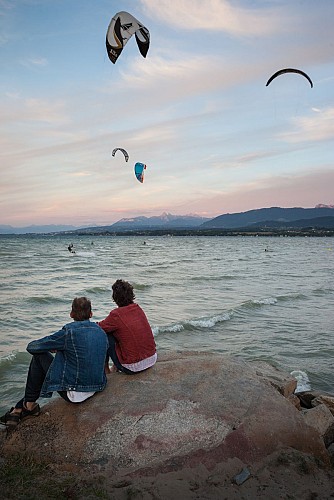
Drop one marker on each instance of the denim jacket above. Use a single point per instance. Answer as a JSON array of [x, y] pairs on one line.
[[81, 348]]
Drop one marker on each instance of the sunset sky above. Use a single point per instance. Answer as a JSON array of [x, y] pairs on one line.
[[196, 110]]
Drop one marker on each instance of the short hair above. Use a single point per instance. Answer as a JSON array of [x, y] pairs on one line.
[[123, 293], [81, 309]]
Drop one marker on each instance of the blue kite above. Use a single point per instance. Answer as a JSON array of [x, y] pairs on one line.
[[139, 171]]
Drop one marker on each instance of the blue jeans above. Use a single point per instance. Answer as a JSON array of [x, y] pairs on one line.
[[38, 369], [111, 353]]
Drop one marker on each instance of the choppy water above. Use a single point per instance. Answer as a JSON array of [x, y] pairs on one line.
[[223, 294]]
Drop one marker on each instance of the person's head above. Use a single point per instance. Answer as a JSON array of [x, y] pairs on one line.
[[122, 293], [81, 309]]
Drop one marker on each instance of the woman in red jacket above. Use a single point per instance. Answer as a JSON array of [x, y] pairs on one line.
[[131, 343]]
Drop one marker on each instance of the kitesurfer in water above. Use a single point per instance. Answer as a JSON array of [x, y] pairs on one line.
[[131, 343], [70, 248]]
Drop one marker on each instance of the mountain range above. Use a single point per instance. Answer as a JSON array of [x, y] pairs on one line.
[[320, 217], [274, 217], [164, 221]]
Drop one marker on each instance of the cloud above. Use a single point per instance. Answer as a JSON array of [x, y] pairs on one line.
[[179, 79], [32, 110], [315, 128], [216, 15], [304, 190], [34, 62]]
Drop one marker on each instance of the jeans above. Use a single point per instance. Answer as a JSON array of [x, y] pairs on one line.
[[38, 369], [111, 353]]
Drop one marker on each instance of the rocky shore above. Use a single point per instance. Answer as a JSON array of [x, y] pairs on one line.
[[197, 425]]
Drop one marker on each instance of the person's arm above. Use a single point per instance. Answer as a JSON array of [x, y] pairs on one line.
[[51, 343], [109, 324]]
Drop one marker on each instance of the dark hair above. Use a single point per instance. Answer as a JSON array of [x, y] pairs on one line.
[[122, 293], [81, 309]]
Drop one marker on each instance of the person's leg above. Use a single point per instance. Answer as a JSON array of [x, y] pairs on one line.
[[112, 354], [27, 406], [38, 369]]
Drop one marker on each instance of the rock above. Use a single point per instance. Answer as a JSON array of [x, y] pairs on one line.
[[321, 418], [309, 399], [324, 399], [295, 401], [191, 410], [280, 380]]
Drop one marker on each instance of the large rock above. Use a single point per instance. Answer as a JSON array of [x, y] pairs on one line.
[[189, 410]]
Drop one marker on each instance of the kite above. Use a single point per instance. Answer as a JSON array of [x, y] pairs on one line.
[[139, 171], [121, 28], [288, 70], [126, 156]]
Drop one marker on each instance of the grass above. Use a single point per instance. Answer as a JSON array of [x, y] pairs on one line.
[[23, 478]]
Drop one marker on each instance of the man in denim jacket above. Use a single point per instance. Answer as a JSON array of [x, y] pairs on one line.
[[76, 371]]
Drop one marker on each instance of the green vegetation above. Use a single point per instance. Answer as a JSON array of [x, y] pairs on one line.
[[24, 479]]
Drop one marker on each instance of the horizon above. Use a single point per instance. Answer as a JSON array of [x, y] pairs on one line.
[[319, 205], [196, 110]]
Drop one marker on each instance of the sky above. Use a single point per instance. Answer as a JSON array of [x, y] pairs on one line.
[[196, 110]]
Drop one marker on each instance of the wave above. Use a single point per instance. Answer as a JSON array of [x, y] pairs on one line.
[[95, 290], [83, 254], [213, 278], [141, 286], [13, 359], [7, 358], [46, 299], [323, 291], [270, 301], [303, 383], [193, 324], [211, 321]]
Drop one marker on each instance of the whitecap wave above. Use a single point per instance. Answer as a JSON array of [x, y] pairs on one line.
[[83, 254], [7, 357], [210, 322], [303, 383], [270, 301], [167, 329], [205, 322]]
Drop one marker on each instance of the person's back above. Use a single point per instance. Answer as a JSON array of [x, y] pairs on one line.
[[131, 342], [79, 360], [132, 331], [76, 371]]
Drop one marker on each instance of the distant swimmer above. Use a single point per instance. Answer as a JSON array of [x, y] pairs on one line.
[[70, 248]]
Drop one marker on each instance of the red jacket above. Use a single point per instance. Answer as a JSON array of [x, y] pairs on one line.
[[132, 331]]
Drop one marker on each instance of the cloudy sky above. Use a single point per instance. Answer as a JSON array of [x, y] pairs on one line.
[[196, 110]]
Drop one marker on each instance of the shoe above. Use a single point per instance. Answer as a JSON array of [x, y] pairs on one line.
[[10, 419], [35, 412]]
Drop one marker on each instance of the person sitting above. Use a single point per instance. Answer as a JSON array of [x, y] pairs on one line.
[[131, 342], [76, 371]]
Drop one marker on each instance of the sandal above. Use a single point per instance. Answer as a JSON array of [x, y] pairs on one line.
[[35, 412], [10, 419]]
